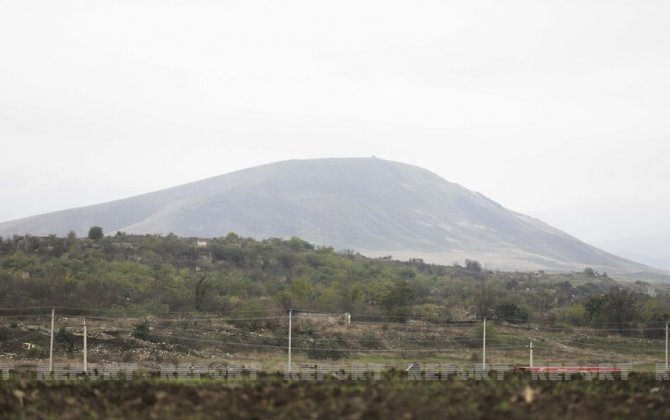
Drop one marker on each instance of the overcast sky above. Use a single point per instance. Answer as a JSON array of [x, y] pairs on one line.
[[558, 109]]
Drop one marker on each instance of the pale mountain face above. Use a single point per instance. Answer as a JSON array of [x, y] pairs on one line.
[[371, 205]]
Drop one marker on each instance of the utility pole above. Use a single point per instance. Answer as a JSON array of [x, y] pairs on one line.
[[51, 346], [666, 346], [290, 313], [530, 346], [484, 347], [85, 350]]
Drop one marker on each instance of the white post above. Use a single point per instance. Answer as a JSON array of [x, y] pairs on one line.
[[51, 345], [666, 346], [484, 347], [290, 313], [85, 350], [530, 346]]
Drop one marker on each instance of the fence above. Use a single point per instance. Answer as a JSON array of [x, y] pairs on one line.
[[275, 340]]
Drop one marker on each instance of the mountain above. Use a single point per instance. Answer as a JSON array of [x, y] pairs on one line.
[[370, 205]]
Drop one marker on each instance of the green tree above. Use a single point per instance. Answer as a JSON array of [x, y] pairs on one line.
[[655, 325], [71, 239], [618, 307], [302, 289], [95, 233], [202, 287], [484, 300], [622, 305], [511, 312], [544, 301], [398, 299], [594, 308], [473, 266], [349, 293]]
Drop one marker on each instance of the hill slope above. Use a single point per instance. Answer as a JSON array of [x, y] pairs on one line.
[[371, 205]]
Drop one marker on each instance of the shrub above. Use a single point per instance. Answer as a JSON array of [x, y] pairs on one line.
[[325, 349], [37, 353], [573, 314], [65, 339], [142, 330], [509, 311]]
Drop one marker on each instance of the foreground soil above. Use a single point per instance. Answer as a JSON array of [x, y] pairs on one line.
[[393, 396]]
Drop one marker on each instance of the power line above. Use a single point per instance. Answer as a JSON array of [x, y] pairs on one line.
[[313, 348], [440, 320]]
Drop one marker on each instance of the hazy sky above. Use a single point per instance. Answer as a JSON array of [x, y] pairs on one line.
[[558, 109]]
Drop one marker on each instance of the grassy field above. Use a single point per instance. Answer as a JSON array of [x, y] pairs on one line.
[[393, 344], [392, 396]]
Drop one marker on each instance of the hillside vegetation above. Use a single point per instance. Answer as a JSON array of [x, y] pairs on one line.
[[136, 275]]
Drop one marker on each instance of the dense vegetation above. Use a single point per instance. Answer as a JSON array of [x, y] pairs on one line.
[[126, 274]]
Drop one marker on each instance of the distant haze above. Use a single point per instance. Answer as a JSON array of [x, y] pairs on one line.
[[556, 109]]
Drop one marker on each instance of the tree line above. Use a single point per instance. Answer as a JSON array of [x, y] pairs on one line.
[[138, 274]]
